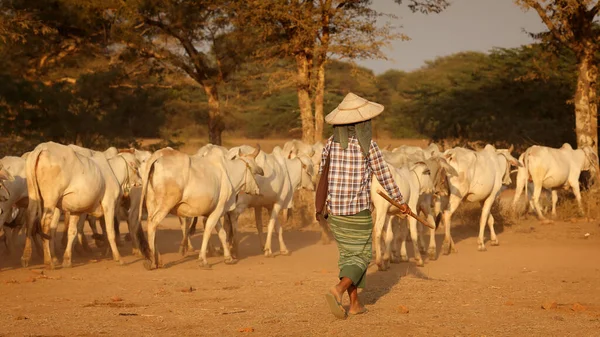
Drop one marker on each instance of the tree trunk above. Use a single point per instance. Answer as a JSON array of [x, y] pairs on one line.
[[319, 99], [303, 88], [586, 107], [215, 122]]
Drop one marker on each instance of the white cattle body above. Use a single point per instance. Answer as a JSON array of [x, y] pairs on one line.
[[417, 185], [128, 209], [126, 167], [553, 169], [191, 186], [13, 196], [276, 193], [59, 178], [479, 176]]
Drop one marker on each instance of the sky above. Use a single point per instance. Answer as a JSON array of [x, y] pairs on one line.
[[467, 25]]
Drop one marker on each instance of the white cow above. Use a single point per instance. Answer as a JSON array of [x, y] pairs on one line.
[[282, 176], [126, 166], [129, 207], [188, 225], [13, 183], [211, 148], [296, 146], [479, 177], [553, 169], [191, 187], [59, 178], [293, 148], [417, 185]]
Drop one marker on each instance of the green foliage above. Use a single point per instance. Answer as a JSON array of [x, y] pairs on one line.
[[508, 96]]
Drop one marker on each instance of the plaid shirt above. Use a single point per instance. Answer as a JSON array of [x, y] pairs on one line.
[[350, 177]]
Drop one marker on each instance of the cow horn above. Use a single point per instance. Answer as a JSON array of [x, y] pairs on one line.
[[256, 152], [511, 148]]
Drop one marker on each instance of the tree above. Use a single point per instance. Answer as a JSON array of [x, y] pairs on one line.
[[572, 24], [196, 37], [312, 32]]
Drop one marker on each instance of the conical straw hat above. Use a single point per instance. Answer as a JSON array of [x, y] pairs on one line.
[[353, 109]]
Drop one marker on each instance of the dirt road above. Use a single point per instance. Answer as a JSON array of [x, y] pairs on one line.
[[471, 293]]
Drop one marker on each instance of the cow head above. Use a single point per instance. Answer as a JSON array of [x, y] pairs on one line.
[[250, 160], [510, 161], [308, 172], [440, 172], [133, 177], [591, 160], [4, 176]]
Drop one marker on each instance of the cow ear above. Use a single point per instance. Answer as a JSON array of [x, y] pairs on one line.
[[232, 154], [5, 175], [450, 171]]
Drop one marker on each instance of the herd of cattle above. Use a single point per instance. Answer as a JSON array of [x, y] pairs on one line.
[[217, 184]]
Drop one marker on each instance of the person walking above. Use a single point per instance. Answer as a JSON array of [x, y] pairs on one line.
[[349, 160]]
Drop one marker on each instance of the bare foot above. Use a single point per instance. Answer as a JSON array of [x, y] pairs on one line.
[[336, 293], [357, 309]]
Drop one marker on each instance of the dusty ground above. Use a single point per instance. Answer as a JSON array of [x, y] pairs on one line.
[[470, 293], [495, 293]]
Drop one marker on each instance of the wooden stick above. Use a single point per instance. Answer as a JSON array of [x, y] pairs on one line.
[[394, 203]]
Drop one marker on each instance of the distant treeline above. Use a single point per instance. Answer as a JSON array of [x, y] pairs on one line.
[[518, 96]]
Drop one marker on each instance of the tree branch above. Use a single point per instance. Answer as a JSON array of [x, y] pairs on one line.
[[548, 22], [592, 13], [197, 61]]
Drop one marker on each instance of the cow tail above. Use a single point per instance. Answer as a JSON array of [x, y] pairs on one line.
[[144, 246], [34, 209], [526, 167]]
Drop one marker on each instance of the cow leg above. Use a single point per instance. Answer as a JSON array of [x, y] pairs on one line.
[[106, 251], [380, 222], [65, 235], [46, 223], [272, 219], [99, 239], [259, 226], [228, 259], [10, 238], [520, 186], [154, 219], [81, 239], [234, 237], [483, 220], [493, 238], [574, 182], [132, 221], [26, 257], [537, 192], [554, 201], [211, 222], [448, 245], [389, 237], [117, 225], [55, 218], [185, 229], [412, 223], [403, 234], [12, 235], [109, 217], [36, 237], [73, 230], [282, 247], [432, 250]]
